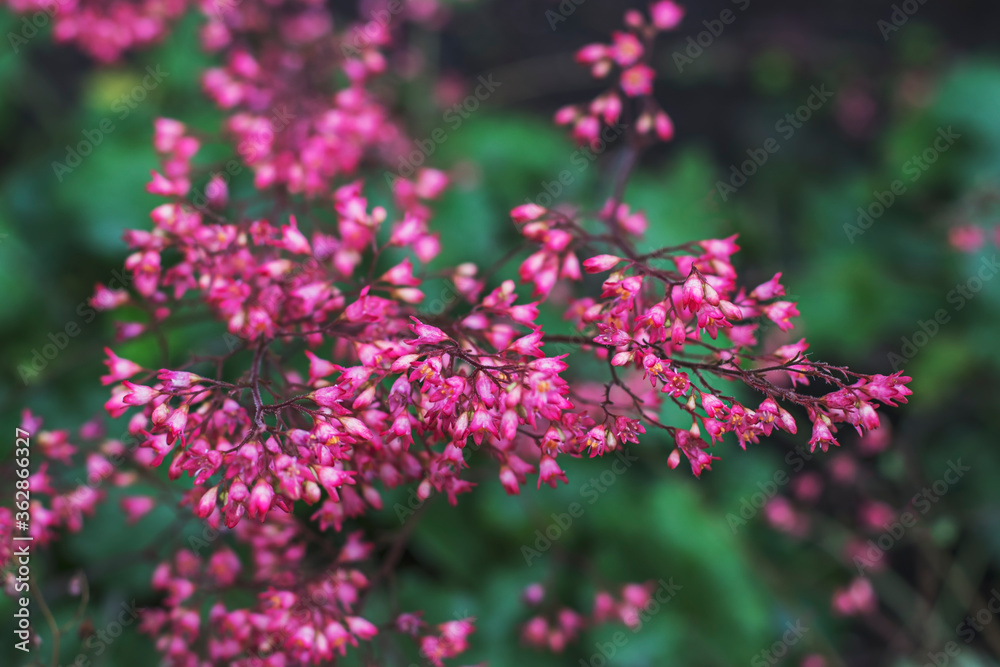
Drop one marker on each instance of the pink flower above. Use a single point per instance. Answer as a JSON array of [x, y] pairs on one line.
[[293, 240], [637, 81], [163, 186], [176, 380], [876, 440], [361, 628], [857, 598], [666, 14], [138, 394], [107, 299], [224, 567], [592, 53], [527, 213], [175, 423], [694, 449], [260, 499], [509, 481], [530, 345], [888, 388], [426, 334], [136, 507], [626, 48], [534, 594], [611, 336], [166, 133], [145, 267], [587, 130], [600, 263], [664, 126], [821, 435], [693, 292], [401, 274], [781, 312], [609, 106], [549, 472], [768, 290], [967, 238], [714, 407], [536, 632], [118, 368], [876, 516], [217, 192], [328, 396], [206, 505], [238, 492], [566, 115]]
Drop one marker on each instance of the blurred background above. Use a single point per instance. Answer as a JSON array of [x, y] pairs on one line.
[[771, 536]]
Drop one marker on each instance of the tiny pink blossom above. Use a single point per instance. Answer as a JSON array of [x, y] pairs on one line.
[[118, 368], [527, 213], [666, 14], [600, 263], [637, 81], [136, 507], [426, 334]]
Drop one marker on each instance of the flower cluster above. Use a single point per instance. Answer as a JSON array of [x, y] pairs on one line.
[[857, 598], [294, 132], [631, 52], [302, 614], [972, 221], [969, 238], [337, 425], [105, 30], [657, 313], [329, 384], [291, 123], [59, 499], [553, 631], [861, 525]]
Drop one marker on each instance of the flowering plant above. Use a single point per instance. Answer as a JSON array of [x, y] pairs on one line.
[[335, 383]]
